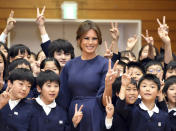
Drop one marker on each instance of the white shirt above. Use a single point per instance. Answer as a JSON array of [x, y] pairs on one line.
[[13, 103], [3, 37], [172, 109], [108, 123], [46, 108], [150, 112], [45, 38]]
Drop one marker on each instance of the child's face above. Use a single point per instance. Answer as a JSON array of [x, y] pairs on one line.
[[120, 69], [19, 89], [51, 66], [170, 72], [155, 70], [131, 94], [1, 64], [62, 57], [49, 92], [171, 94], [148, 90], [135, 73]]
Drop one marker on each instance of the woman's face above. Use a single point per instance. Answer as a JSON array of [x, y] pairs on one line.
[[89, 42]]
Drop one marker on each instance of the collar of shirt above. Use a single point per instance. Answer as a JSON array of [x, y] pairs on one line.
[[172, 109], [46, 108], [150, 112], [13, 103]]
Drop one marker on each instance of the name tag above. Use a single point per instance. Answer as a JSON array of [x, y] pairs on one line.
[[61, 122], [174, 114], [159, 124], [15, 113]]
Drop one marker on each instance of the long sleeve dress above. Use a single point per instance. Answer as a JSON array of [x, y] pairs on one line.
[[83, 82]]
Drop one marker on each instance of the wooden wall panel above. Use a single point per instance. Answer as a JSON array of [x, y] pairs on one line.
[[145, 10]]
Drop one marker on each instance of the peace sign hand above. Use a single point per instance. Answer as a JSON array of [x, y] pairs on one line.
[[40, 17], [77, 116], [112, 74], [126, 79], [131, 42], [148, 39], [163, 31], [164, 25], [4, 97], [10, 23], [108, 52], [109, 107], [160, 94], [114, 31]]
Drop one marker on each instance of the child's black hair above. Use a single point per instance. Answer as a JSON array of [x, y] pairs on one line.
[[160, 57], [45, 76], [21, 74], [5, 65], [124, 58], [169, 81], [136, 65], [17, 62], [43, 63], [171, 65], [152, 62], [13, 51], [149, 77], [144, 62], [126, 53], [61, 44]]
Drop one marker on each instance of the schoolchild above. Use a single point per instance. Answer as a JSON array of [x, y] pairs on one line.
[[170, 69], [114, 121], [16, 114], [48, 116], [135, 70], [170, 92], [154, 67], [60, 49], [50, 64], [146, 115]]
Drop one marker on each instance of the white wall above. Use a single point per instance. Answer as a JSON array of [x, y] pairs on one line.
[[26, 32]]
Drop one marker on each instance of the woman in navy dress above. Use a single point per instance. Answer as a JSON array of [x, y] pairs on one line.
[[83, 79]]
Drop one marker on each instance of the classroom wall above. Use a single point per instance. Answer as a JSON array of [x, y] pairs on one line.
[[145, 10]]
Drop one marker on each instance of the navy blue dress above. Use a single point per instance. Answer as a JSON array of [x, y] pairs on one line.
[[83, 82]]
